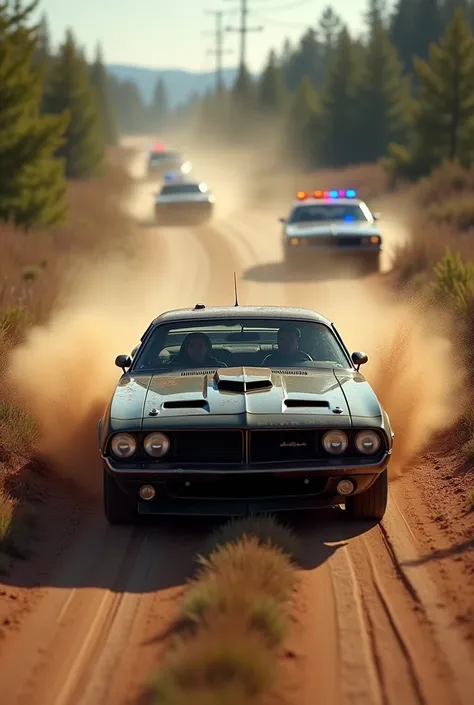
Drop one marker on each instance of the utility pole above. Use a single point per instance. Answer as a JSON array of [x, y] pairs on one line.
[[243, 30], [219, 51]]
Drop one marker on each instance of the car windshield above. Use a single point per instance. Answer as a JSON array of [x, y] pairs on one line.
[[329, 212], [171, 189], [248, 342], [164, 157]]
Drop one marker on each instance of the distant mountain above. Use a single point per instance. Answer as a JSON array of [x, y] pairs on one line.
[[180, 85]]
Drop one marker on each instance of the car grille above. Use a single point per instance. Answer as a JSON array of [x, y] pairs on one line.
[[283, 446], [334, 241], [242, 487], [207, 447]]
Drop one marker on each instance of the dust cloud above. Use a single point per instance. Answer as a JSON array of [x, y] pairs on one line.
[[64, 374], [416, 371]]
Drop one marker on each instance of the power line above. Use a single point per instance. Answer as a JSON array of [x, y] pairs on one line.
[[243, 30], [219, 50]]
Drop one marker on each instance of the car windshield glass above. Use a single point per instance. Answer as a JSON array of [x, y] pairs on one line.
[[164, 157], [171, 189], [256, 342], [328, 212]]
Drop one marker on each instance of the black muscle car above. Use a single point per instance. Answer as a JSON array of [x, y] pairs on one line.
[[229, 411]]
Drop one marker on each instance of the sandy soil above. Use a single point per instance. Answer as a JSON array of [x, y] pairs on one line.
[[374, 623]]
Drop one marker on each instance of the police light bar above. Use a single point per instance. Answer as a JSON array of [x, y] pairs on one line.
[[173, 176], [158, 147], [303, 195]]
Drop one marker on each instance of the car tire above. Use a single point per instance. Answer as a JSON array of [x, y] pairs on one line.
[[292, 258], [372, 263], [119, 507], [371, 504]]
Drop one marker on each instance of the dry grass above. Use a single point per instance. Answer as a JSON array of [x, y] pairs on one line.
[[232, 618], [31, 263], [31, 275]]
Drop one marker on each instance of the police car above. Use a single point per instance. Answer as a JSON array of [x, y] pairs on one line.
[[183, 202], [331, 224], [162, 159]]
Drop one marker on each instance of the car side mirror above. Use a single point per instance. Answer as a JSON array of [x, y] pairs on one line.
[[282, 220], [123, 361], [376, 216], [359, 358]]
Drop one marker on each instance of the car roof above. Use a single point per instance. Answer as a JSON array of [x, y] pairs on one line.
[[327, 202], [236, 312]]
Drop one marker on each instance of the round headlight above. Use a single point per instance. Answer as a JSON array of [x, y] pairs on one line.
[[368, 442], [335, 442], [157, 445], [123, 445]]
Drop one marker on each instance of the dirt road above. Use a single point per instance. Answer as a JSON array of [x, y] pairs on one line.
[[81, 622]]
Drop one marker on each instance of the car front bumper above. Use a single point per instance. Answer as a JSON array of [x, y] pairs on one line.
[[309, 248], [227, 491]]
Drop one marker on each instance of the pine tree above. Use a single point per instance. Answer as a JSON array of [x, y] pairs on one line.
[[243, 104], [376, 15], [100, 82], [44, 43], [159, 106], [32, 185], [70, 89], [384, 98], [307, 60], [271, 91], [428, 21], [448, 8], [330, 26], [302, 133], [402, 32], [444, 116], [128, 106], [339, 105]]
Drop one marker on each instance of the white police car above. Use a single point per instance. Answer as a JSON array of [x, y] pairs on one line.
[[183, 202], [331, 224], [163, 159]]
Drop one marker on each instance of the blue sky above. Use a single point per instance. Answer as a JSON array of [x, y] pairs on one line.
[[171, 33]]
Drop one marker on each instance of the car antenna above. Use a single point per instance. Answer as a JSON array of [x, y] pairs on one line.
[[235, 290]]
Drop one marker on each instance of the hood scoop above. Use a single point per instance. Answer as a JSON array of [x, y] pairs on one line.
[[185, 404], [306, 404], [241, 380]]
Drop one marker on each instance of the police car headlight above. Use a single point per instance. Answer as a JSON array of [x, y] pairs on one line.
[[335, 442], [368, 442], [156, 445], [123, 445]]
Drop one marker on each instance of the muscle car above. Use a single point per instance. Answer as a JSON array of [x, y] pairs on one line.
[[237, 410]]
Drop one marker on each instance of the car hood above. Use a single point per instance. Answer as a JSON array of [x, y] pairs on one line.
[[244, 396], [184, 198], [336, 228]]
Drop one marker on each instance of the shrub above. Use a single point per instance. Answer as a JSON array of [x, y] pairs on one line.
[[454, 281], [458, 213], [265, 529]]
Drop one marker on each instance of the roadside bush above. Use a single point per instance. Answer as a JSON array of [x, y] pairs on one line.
[[457, 213], [232, 618], [448, 180]]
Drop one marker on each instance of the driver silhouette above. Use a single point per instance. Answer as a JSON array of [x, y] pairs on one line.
[[288, 353]]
